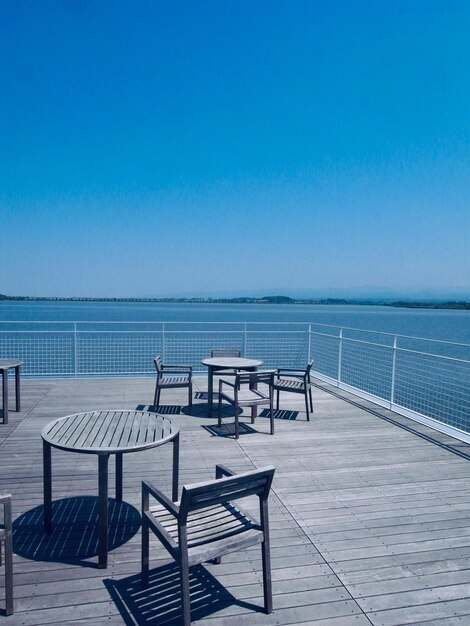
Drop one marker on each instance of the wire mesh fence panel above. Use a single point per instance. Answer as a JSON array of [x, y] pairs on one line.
[[190, 347], [117, 352], [279, 349], [433, 386], [367, 367], [43, 353], [325, 354]]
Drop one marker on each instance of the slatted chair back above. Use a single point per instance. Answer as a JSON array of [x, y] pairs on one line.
[[253, 378], [223, 352], [158, 365], [223, 490]]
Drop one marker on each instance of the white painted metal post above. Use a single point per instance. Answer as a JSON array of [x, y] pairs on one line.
[[163, 343], [394, 362], [340, 354], [75, 348], [309, 352]]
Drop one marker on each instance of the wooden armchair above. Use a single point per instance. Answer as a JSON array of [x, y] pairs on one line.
[[244, 392], [206, 525], [6, 538], [172, 377], [295, 381]]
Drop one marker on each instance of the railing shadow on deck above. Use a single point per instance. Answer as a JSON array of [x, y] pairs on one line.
[[160, 603], [74, 536]]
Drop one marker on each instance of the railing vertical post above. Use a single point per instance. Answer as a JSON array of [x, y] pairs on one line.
[[340, 355], [75, 348], [394, 362], [244, 339], [309, 351], [163, 343]]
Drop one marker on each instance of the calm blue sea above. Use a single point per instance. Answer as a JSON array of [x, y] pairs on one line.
[[444, 325]]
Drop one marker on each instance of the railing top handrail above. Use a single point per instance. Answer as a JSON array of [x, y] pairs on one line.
[[239, 323], [383, 332]]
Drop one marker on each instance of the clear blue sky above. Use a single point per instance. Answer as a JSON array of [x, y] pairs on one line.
[[165, 147]]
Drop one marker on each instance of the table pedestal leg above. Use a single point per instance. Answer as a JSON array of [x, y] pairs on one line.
[[176, 458], [254, 408], [210, 389], [103, 510], [47, 486], [17, 388], [119, 477]]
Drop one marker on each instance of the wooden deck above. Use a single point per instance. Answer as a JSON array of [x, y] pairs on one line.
[[369, 516]]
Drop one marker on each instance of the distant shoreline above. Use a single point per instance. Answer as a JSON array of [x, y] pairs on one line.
[[451, 304]]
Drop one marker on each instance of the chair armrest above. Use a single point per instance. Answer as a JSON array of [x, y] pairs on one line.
[[5, 497], [222, 470], [148, 488], [175, 368], [226, 382], [294, 371]]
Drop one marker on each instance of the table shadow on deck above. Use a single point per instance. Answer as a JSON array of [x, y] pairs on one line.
[[75, 532]]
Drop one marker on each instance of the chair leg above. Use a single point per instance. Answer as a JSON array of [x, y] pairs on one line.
[[277, 400], [271, 414], [306, 405], [267, 583], [311, 399], [185, 593], [190, 393], [155, 395], [237, 429], [145, 555], [219, 418], [8, 577]]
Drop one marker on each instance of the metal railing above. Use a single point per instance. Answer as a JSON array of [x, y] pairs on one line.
[[425, 379]]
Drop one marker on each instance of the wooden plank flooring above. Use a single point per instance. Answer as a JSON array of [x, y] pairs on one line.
[[369, 516]]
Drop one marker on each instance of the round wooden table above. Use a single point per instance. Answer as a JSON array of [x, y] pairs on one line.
[[216, 364], [114, 431]]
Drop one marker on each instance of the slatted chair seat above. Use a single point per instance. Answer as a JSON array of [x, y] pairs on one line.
[[289, 385], [174, 381], [172, 377], [246, 396], [206, 524], [244, 391], [295, 381], [213, 527]]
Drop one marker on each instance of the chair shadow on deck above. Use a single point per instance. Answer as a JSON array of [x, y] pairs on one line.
[[170, 409], [280, 414], [164, 409], [74, 536], [227, 429], [161, 602]]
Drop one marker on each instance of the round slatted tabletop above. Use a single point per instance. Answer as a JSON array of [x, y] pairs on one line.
[[109, 432]]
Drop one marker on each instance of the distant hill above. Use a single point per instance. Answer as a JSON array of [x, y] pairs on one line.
[[277, 299], [431, 305]]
